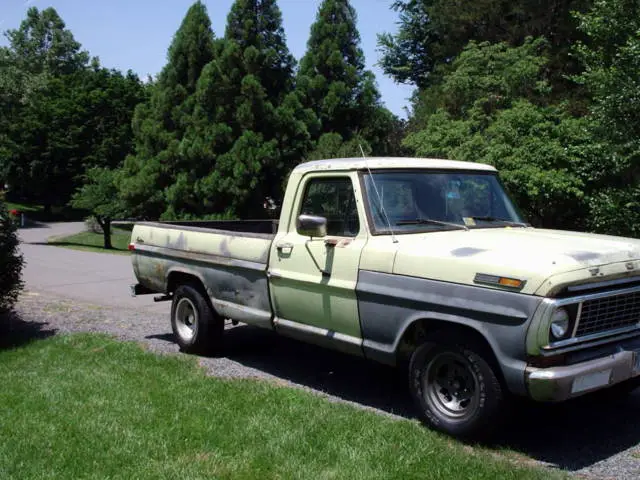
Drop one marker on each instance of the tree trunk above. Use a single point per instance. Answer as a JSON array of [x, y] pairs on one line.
[[105, 224]]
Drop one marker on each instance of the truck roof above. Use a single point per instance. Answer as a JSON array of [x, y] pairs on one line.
[[374, 163]]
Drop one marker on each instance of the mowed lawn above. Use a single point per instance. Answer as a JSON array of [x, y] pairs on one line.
[[94, 242], [87, 406]]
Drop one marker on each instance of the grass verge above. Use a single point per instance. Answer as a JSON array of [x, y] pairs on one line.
[[94, 242], [24, 207], [36, 212], [87, 406]]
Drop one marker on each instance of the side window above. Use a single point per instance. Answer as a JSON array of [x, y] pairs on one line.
[[334, 199]]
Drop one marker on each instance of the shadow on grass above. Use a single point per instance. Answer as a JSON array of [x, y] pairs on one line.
[[572, 435], [345, 376], [16, 332]]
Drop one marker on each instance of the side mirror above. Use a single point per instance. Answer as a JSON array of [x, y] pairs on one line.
[[312, 226]]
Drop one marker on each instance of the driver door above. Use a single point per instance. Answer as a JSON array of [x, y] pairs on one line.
[[313, 280]]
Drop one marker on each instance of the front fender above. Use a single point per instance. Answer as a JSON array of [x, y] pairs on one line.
[[389, 304]]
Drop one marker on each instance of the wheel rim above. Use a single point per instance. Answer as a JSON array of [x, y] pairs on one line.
[[451, 386], [186, 318]]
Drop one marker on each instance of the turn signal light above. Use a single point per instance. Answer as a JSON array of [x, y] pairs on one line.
[[510, 282]]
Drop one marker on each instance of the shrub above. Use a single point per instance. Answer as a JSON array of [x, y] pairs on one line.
[[11, 261], [92, 225]]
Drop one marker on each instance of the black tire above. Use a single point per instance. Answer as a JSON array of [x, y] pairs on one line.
[[456, 389], [196, 326]]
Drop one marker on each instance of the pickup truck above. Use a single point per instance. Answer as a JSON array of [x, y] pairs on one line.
[[420, 263]]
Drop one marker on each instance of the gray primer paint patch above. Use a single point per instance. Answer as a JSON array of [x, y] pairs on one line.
[[467, 251], [584, 256], [388, 304]]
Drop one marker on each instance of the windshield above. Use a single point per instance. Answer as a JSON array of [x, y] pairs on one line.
[[425, 200]]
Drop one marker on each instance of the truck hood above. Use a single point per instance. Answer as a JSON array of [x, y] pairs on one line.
[[545, 259]]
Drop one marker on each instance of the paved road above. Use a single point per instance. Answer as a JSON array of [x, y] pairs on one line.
[[97, 278]]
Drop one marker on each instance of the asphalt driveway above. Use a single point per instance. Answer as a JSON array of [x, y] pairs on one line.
[[96, 278]]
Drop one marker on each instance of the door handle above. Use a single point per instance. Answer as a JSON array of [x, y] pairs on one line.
[[284, 246]]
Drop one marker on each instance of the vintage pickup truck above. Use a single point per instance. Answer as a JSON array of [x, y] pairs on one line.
[[422, 263]]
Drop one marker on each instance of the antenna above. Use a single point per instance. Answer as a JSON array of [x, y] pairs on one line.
[[373, 182]]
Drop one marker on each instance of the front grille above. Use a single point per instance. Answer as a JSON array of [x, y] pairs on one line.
[[609, 313]]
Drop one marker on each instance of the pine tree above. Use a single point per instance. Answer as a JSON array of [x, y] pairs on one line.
[[248, 123], [149, 177], [333, 81]]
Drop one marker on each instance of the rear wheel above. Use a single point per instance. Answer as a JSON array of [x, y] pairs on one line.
[[196, 326], [456, 389]]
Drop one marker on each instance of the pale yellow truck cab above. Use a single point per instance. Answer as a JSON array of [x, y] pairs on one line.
[[416, 262]]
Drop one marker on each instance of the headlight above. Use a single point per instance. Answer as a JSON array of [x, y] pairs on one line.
[[560, 323]]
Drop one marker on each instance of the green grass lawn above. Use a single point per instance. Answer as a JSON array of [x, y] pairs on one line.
[[35, 212], [23, 207], [87, 406], [94, 242]]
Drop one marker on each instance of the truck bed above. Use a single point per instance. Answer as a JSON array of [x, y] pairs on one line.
[[228, 258]]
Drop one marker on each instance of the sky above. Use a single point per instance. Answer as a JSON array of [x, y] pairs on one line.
[[135, 34]]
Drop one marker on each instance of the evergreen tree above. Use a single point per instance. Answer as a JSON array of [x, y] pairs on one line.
[[248, 124], [333, 81], [159, 125]]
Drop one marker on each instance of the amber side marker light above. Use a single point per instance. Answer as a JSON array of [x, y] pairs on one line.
[[512, 283]]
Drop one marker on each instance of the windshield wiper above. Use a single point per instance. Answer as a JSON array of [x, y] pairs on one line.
[[501, 220], [428, 221]]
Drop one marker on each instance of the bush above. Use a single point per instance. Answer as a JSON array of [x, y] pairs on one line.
[[11, 261], [92, 225]]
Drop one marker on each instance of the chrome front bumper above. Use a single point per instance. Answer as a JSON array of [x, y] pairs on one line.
[[556, 384]]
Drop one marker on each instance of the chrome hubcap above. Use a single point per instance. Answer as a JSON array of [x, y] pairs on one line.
[[450, 385], [186, 318]]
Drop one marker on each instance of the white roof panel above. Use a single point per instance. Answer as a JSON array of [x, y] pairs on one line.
[[375, 163]]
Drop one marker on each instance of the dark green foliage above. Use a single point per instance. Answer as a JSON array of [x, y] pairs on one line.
[[60, 115], [43, 45], [490, 108], [333, 81], [159, 125], [434, 32], [74, 122], [10, 261], [249, 128], [40, 52], [612, 75]]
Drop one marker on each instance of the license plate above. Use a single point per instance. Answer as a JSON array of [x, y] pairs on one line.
[[591, 381]]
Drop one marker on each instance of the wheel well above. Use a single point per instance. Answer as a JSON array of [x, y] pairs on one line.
[[421, 330], [180, 278]]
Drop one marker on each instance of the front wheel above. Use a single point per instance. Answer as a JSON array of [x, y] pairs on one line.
[[196, 326], [456, 390]]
